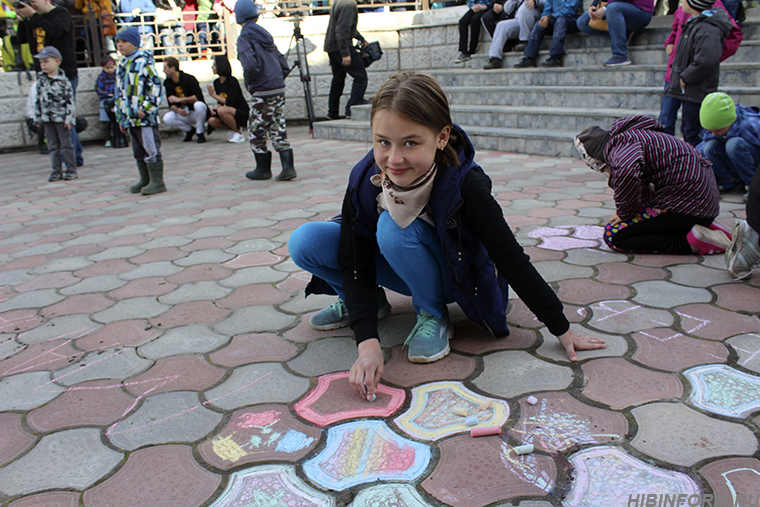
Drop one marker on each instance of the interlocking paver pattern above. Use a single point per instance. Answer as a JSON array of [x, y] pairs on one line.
[[146, 342]]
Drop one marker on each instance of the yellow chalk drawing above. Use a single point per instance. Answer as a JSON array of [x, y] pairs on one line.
[[228, 449]]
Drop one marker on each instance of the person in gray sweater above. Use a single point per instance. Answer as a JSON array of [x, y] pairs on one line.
[[344, 58]]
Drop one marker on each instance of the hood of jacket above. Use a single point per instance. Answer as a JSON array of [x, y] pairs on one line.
[[717, 17], [253, 32]]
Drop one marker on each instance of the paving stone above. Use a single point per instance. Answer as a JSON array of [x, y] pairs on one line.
[[272, 385], [663, 260], [553, 349], [44, 249], [584, 292], [620, 384], [197, 291], [325, 356], [611, 477], [723, 390], [670, 350], [689, 437], [553, 271], [625, 273], [470, 338], [102, 283], [119, 252], [694, 275], [734, 480], [626, 317], [473, 472], [114, 363], [157, 255], [51, 499], [163, 242], [260, 434], [163, 475], [109, 267], [741, 298], [593, 257], [519, 315], [254, 295], [68, 459], [134, 308], [45, 356], [19, 321], [175, 373], [269, 484], [142, 287], [164, 418], [512, 373], [76, 304], [216, 256], [193, 339], [400, 371], [254, 319], [248, 276], [16, 277], [304, 333], [559, 422], [88, 239], [97, 403], [199, 273], [748, 348], [67, 327], [250, 259], [128, 333], [162, 268], [389, 495], [32, 299], [706, 321], [196, 312], [254, 245], [26, 391], [65, 264], [252, 348], [13, 439], [54, 280], [383, 455], [662, 294]]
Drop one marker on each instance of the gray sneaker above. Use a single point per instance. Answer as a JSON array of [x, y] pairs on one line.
[[492, 63], [463, 57], [336, 315], [743, 254], [429, 339]]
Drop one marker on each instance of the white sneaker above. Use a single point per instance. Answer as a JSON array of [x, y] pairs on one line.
[[236, 138], [229, 136]]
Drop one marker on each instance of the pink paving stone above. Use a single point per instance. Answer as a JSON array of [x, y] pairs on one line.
[[159, 475], [126, 240], [48, 281], [200, 273], [168, 253], [98, 229], [256, 434], [333, 400], [107, 267], [194, 312], [574, 313], [81, 303], [707, 321], [125, 333], [253, 295], [252, 233], [18, 321], [78, 251], [291, 224], [733, 478], [254, 348], [26, 263], [171, 230], [575, 204], [54, 238], [401, 372], [45, 356], [582, 178], [519, 315], [95, 403], [517, 221], [188, 372], [304, 333], [473, 472], [470, 338], [548, 212], [661, 261], [558, 422], [51, 499], [542, 254], [13, 439], [670, 350], [252, 259], [738, 297], [143, 287], [624, 273], [585, 292], [619, 384], [207, 244]]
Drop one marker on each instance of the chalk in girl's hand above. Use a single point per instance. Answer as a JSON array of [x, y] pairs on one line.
[[366, 392], [472, 420], [460, 411], [485, 430], [524, 449], [532, 400], [484, 406]]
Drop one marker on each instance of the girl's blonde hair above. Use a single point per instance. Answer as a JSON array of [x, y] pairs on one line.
[[419, 98]]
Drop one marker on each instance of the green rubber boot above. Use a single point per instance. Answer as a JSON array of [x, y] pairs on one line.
[[142, 167], [156, 185]]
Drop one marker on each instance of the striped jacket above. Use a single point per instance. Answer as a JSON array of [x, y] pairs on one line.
[[138, 88], [54, 101], [651, 168]]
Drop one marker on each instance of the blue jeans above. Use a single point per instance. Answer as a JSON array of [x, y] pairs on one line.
[[733, 159], [559, 29], [691, 128], [408, 261], [622, 18], [74, 135], [669, 112]]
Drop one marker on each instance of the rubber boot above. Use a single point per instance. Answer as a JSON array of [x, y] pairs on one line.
[[156, 185], [144, 178], [288, 171], [263, 169]]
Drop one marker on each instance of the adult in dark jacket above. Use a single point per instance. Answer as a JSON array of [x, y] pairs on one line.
[[344, 58], [264, 69], [419, 218]]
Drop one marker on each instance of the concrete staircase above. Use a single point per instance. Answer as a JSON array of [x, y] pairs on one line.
[[539, 111]]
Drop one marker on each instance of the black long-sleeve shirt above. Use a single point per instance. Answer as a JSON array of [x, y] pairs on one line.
[[59, 33]]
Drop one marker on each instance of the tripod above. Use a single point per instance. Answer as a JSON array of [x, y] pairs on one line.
[[303, 69]]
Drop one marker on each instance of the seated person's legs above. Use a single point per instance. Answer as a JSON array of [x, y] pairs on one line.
[[526, 18], [503, 32], [714, 150], [743, 157], [199, 112], [531, 50]]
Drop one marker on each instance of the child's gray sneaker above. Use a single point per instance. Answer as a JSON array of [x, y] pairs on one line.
[[336, 315], [429, 339], [743, 254], [55, 176]]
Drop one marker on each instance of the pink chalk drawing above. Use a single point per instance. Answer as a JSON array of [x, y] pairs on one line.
[[526, 467], [607, 475], [431, 415], [261, 420], [7, 324], [270, 486], [335, 386], [365, 451], [723, 390], [567, 237]]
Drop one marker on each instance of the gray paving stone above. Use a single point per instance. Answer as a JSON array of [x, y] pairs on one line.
[[253, 245], [15, 277], [553, 349], [626, 317], [26, 237], [180, 220], [9, 346], [748, 348], [163, 418], [215, 213], [250, 276], [119, 252], [676, 434], [301, 304], [287, 266], [63, 229], [134, 308], [99, 283], [511, 373], [210, 232], [32, 299], [117, 363], [106, 220], [291, 213], [250, 223], [165, 241], [42, 249], [216, 256], [592, 257], [67, 459], [67, 326], [327, 355], [26, 391], [714, 261], [254, 319], [258, 383], [601, 213], [134, 229], [196, 291], [65, 264], [183, 340], [87, 239], [553, 271], [151, 269], [663, 294], [696, 275]]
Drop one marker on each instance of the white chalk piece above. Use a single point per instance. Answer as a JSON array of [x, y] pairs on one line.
[[524, 449], [471, 420], [532, 400], [484, 406], [460, 411], [374, 397]]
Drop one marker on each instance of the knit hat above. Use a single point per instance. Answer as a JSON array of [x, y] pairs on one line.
[[48, 52], [700, 5], [245, 11], [590, 144], [130, 34], [717, 111]]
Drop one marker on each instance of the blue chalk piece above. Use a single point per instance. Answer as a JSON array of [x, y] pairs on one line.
[[471, 420]]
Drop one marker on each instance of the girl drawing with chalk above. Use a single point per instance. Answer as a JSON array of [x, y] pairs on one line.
[[418, 218]]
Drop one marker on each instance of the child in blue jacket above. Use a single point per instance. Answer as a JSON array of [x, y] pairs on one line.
[[559, 18]]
